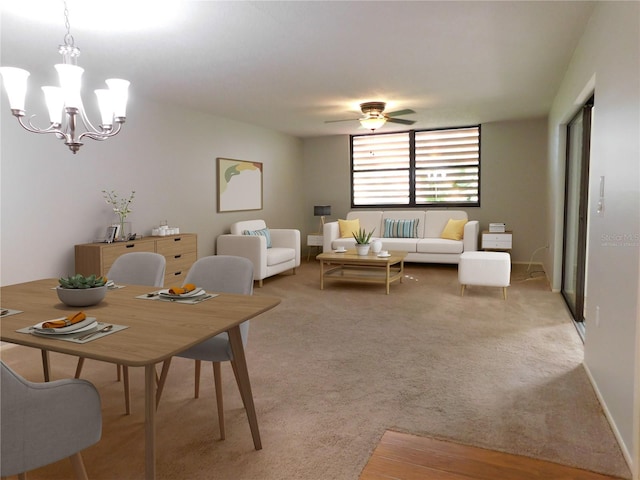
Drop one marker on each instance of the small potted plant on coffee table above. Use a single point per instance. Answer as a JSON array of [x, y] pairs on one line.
[[80, 291], [363, 239]]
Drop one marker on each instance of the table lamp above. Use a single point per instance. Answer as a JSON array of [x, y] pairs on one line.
[[321, 211]]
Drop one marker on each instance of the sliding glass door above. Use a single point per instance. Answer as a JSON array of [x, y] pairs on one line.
[[576, 211]]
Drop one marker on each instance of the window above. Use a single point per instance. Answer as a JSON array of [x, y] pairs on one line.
[[416, 168]]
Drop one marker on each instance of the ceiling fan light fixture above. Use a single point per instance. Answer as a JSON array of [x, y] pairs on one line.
[[373, 122]]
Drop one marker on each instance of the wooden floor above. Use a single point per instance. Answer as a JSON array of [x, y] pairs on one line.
[[400, 456]]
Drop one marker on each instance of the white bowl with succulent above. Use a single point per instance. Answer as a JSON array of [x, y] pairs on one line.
[[80, 291]]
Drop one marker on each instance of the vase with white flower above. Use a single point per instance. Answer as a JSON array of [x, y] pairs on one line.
[[121, 208]]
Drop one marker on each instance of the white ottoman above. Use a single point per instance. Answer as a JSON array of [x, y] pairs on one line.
[[488, 269]]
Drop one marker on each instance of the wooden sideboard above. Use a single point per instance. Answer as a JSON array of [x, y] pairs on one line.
[[180, 251]]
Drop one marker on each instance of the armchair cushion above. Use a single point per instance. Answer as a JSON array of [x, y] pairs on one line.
[[263, 231]]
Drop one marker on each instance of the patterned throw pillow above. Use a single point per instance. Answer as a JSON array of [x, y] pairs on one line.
[[401, 228], [264, 232]]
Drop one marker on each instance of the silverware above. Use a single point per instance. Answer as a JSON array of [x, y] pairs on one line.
[[106, 328], [3, 312], [203, 298]]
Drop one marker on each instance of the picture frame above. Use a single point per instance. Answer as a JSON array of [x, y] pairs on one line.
[[110, 236], [239, 185]]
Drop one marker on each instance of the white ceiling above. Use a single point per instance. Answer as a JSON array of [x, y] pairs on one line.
[[290, 66]]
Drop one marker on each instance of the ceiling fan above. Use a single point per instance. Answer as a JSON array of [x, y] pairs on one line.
[[374, 116]]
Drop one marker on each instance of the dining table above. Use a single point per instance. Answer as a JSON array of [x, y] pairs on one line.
[[150, 331]]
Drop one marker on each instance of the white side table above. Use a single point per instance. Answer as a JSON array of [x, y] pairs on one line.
[[499, 241], [314, 240]]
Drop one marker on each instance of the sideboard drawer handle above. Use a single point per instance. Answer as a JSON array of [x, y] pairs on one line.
[[177, 239], [177, 273], [177, 256], [131, 245]]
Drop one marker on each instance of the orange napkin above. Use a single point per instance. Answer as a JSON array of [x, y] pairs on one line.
[[65, 322], [189, 287]]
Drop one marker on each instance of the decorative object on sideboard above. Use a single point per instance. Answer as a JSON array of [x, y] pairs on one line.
[[80, 291], [112, 102], [321, 211], [121, 208]]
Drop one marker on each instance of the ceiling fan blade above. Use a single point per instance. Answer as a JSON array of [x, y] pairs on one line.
[[401, 120], [343, 120], [406, 111]]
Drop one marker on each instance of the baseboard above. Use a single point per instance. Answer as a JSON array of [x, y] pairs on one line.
[[616, 433]]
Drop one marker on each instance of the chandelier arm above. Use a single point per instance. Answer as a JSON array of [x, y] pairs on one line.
[[102, 135], [30, 127]]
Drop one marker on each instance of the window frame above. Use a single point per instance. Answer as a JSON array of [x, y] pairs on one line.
[[412, 171]]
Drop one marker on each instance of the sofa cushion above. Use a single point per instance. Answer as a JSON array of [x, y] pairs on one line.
[[454, 230], [439, 245], [370, 220], [403, 228], [399, 244], [263, 232], [279, 255], [348, 227]]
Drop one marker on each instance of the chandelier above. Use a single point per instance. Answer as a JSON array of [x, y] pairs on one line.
[[66, 99]]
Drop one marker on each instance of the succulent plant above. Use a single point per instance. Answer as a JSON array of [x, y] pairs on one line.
[[362, 237], [80, 281]]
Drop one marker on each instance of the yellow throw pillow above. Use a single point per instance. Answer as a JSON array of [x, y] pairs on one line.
[[454, 230], [348, 227]]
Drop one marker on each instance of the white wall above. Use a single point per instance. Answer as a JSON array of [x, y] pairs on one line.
[[607, 57], [51, 199], [513, 180]]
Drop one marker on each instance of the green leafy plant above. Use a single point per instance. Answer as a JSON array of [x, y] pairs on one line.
[[80, 281], [362, 237]]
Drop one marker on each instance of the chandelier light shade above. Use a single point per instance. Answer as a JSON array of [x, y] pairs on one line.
[[64, 103], [373, 121]]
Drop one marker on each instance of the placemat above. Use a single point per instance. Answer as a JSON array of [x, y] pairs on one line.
[[75, 337]]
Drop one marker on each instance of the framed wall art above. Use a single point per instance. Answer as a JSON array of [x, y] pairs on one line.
[[239, 185]]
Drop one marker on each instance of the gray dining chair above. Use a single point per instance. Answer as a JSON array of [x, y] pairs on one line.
[[135, 268], [46, 422], [221, 274]]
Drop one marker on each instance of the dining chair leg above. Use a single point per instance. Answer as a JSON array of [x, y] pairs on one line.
[[118, 369], [196, 384], [217, 379], [78, 466], [127, 402], [163, 378], [79, 367]]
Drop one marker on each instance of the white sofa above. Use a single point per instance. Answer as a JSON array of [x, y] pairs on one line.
[[427, 247], [283, 255]]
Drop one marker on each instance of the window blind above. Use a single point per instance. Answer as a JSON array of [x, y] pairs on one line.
[[416, 168]]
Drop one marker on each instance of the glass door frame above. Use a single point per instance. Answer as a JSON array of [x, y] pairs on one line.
[[576, 304]]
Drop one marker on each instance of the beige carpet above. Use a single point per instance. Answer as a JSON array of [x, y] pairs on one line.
[[332, 370]]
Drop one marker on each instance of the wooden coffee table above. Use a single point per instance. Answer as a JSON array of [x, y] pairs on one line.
[[351, 267]]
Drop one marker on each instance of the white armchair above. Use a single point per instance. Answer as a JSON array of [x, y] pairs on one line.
[[284, 253]]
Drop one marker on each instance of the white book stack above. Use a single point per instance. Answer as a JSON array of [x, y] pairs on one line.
[[497, 227]]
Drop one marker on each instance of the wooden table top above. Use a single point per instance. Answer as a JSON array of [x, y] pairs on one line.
[[157, 329], [351, 256]]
